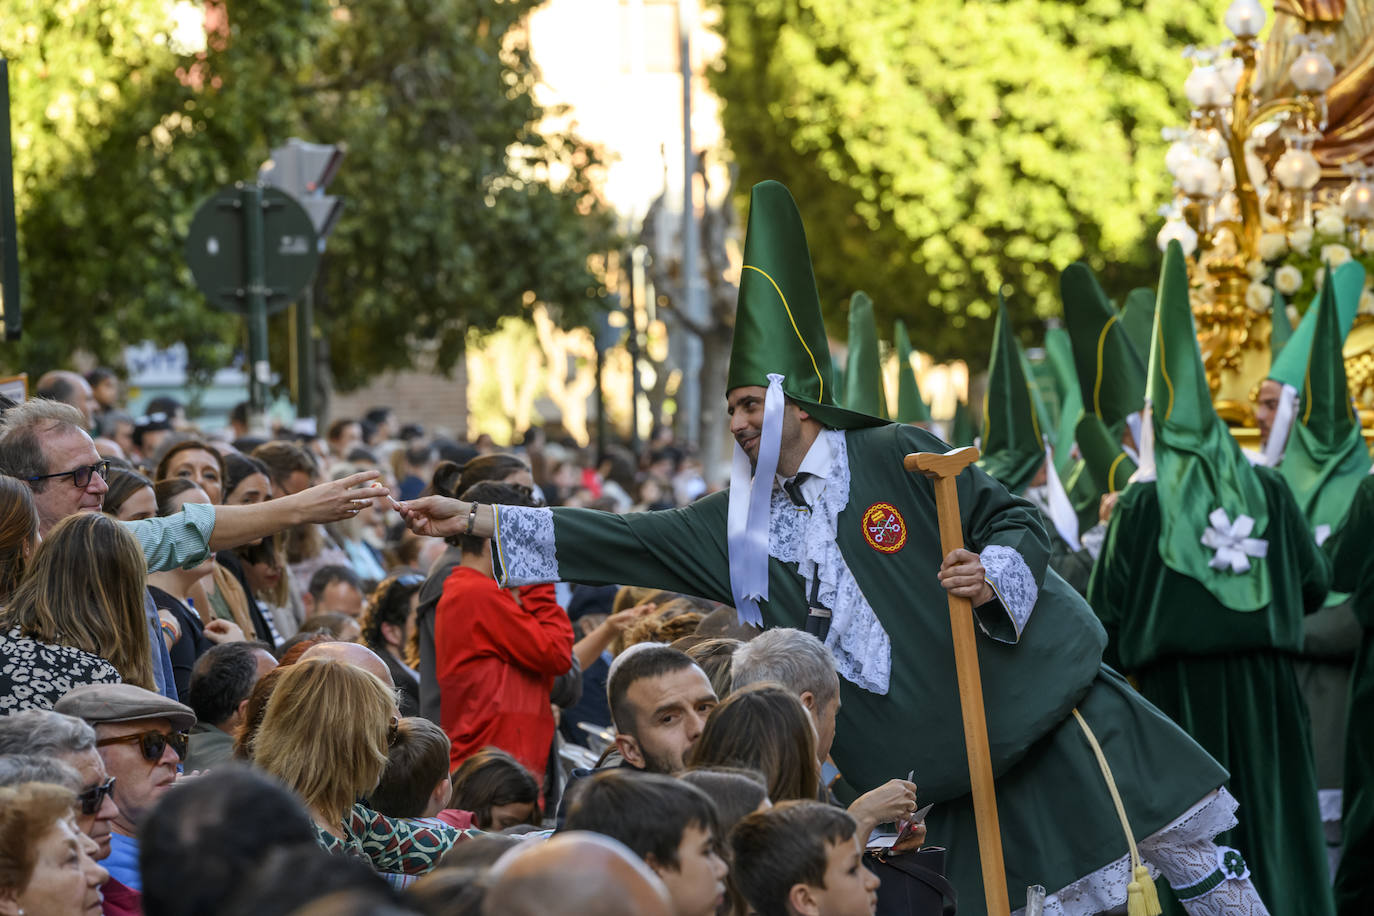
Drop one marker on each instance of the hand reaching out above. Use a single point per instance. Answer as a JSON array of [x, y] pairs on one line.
[[220, 631]]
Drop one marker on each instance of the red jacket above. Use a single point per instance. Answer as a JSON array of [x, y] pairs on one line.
[[497, 652]]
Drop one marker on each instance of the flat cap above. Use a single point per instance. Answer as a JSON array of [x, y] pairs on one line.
[[102, 704]]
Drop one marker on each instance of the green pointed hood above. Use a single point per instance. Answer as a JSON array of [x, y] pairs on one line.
[[911, 407], [1013, 448], [1280, 328], [1199, 467], [1138, 320], [1111, 370], [778, 326], [1326, 456], [961, 429], [1059, 356], [863, 377], [1346, 283], [1107, 461]]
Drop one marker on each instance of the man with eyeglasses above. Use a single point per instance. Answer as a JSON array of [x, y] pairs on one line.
[[69, 740], [45, 444], [141, 736]]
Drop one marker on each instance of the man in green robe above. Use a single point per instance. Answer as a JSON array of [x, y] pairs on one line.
[[824, 530], [1324, 458], [1353, 564], [1202, 584]]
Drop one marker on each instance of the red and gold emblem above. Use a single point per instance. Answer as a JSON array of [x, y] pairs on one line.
[[884, 528]]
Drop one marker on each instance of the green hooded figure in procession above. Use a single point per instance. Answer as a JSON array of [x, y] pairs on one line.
[[1206, 572], [823, 530]]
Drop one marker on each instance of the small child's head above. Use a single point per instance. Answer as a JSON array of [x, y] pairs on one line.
[[669, 824], [498, 791], [800, 859], [415, 782]]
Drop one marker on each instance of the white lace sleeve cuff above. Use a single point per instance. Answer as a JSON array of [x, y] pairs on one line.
[[524, 543], [1012, 582]]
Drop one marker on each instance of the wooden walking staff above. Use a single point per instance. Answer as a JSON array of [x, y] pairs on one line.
[[942, 470]]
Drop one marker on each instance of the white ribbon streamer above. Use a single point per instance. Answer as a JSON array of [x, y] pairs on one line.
[[1232, 542], [1281, 427], [1145, 466], [1061, 512], [750, 504]]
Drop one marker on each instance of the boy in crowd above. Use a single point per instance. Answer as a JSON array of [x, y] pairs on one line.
[[800, 859], [416, 782], [669, 824]]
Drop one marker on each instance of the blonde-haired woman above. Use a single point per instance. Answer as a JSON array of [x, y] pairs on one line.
[[325, 735], [77, 617]]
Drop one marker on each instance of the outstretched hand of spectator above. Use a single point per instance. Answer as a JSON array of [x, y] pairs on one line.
[[894, 799], [220, 631], [621, 621], [338, 499]]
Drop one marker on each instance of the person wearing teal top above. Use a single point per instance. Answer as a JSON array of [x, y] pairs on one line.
[[848, 548], [1207, 569]]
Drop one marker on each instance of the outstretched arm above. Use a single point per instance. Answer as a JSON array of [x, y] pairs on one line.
[[327, 502]]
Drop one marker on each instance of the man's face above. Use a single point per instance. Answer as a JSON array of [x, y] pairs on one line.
[[139, 782], [67, 449], [123, 435], [697, 885], [670, 712], [850, 889], [107, 392], [745, 407], [340, 598], [348, 437], [1266, 405], [96, 826], [824, 720], [295, 482]]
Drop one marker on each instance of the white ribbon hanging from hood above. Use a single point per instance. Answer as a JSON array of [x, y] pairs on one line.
[[1061, 513], [1281, 427], [750, 503], [1145, 466]]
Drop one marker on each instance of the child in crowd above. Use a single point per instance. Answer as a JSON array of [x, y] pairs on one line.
[[498, 791], [800, 858], [415, 782], [668, 823]]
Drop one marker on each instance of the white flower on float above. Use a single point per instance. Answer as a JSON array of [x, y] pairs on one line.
[[1330, 222], [1335, 255], [1367, 302], [1272, 246], [1288, 279], [1256, 270], [1176, 230], [1259, 297], [1300, 240]]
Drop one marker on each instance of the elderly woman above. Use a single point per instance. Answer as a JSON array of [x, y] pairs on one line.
[[46, 867], [325, 735]]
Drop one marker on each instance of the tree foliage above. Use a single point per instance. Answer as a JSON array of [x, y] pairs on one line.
[[941, 149], [458, 210]]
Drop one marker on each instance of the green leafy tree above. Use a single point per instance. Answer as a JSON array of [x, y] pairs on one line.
[[458, 210], [941, 149]]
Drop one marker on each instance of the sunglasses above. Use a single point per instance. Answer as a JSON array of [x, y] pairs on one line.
[[152, 744], [80, 476], [93, 797]]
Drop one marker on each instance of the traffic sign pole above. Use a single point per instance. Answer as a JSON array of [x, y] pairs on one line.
[[255, 273]]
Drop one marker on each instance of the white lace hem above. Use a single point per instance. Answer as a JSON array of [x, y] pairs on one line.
[[525, 548], [1106, 888], [860, 646], [1014, 585]]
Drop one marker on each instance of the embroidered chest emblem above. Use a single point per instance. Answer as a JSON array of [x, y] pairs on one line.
[[884, 528]]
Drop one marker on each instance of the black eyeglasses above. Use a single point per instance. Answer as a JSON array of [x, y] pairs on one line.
[[80, 476], [153, 743], [92, 798]]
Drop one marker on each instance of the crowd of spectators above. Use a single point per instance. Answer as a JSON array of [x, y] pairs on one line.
[[231, 681]]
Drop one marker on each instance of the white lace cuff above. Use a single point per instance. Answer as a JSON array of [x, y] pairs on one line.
[[1012, 582], [1093, 539], [524, 546]]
